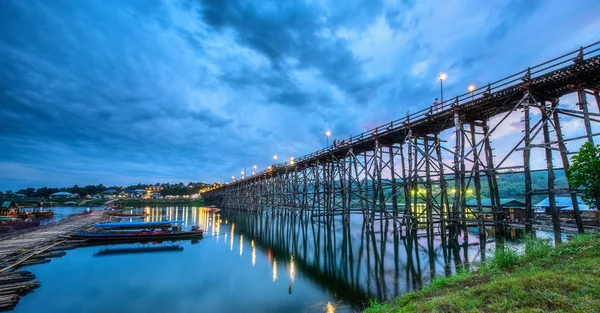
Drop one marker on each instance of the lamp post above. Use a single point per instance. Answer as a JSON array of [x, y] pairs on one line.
[[274, 159], [292, 161], [471, 90], [442, 78], [327, 134], [253, 170], [232, 178]]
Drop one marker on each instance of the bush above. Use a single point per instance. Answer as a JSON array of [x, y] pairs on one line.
[[536, 248], [505, 258]]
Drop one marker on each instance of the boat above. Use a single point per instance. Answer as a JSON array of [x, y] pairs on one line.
[[24, 215], [136, 236], [137, 232], [43, 214], [137, 225], [137, 250], [123, 214]]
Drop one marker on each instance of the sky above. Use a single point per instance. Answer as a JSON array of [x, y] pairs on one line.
[[125, 92]]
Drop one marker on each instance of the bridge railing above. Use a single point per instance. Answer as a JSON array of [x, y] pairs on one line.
[[582, 53]]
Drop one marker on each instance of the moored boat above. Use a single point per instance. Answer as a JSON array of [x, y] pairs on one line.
[[138, 250], [137, 225], [138, 232], [123, 214], [43, 214], [136, 236]]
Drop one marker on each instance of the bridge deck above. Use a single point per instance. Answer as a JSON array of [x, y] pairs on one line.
[[548, 81]]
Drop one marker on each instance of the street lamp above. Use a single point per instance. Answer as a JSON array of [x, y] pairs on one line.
[[274, 159], [471, 90], [442, 78], [232, 178], [242, 172], [292, 161], [327, 133]]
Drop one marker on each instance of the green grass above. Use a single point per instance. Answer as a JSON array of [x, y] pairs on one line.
[[542, 279]]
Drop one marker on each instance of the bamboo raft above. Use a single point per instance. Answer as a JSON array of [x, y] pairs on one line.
[[13, 285], [35, 246]]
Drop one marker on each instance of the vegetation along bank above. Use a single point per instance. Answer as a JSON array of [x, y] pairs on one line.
[[541, 279]]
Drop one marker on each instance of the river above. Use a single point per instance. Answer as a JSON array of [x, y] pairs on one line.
[[247, 263]]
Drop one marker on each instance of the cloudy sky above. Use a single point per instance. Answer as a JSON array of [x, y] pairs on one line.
[[121, 92]]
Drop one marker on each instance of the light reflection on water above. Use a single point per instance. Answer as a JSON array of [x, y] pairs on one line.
[[296, 265]]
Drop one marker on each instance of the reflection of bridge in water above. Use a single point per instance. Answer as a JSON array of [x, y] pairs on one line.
[[405, 162], [356, 265]]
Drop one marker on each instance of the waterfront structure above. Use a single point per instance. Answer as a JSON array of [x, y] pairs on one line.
[[63, 195], [402, 161]]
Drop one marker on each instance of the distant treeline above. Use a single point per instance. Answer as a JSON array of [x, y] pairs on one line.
[[178, 189]]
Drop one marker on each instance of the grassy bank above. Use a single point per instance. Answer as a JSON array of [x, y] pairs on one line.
[[166, 202], [542, 279]]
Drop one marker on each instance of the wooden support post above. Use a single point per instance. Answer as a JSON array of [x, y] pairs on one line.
[[445, 204], [583, 106], [428, 190], [406, 188], [565, 161], [529, 216], [497, 210], [477, 183], [458, 188], [394, 183], [408, 179], [349, 186], [463, 193], [550, 168], [379, 161]]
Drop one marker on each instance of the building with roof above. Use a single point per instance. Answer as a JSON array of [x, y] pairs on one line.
[[565, 206], [31, 202], [63, 195], [8, 206], [514, 209]]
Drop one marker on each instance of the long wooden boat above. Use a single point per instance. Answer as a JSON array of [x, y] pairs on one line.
[[136, 236], [24, 215], [137, 225], [113, 213], [138, 250], [43, 214]]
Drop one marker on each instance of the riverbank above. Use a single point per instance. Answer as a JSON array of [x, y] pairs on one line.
[[565, 278]]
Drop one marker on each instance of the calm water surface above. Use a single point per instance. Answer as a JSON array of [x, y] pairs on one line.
[[246, 263]]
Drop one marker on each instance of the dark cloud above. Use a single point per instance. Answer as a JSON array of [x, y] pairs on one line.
[[145, 91]]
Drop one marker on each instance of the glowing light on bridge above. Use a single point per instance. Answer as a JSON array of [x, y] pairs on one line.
[[274, 269], [253, 253], [232, 238], [292, 269]]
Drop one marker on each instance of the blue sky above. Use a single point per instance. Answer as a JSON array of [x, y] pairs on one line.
[[154, 91]]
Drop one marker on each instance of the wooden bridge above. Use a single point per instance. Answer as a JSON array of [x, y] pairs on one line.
[[404, 171]]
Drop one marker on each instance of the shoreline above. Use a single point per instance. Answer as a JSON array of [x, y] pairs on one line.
[[543, 278]]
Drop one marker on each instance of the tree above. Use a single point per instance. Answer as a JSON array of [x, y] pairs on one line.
[[585, 173]]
